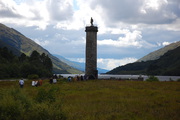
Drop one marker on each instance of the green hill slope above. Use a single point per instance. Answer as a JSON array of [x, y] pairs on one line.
[[158, 53], [18, 44], [168, 64]]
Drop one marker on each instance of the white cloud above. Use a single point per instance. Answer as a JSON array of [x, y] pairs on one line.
[[107, 63], [81, 60], [108, 15], [39, 13], [9, 9], [174, 26], [130, 39], [137, 11], [28, 13], [110, 64], [154, 4], [41, 42], [119, 31], [60, 10], [81, 17], [165, 43]]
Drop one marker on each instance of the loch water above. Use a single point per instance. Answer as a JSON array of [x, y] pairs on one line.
[[128, 77]]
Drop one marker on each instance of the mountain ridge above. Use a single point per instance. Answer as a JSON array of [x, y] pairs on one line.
[[167, 64], [158, 53], [78, 65], [18, 43]]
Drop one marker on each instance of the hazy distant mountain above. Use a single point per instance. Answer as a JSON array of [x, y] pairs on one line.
[[167, 64], [18, 44], [158, 53], [77, 65]]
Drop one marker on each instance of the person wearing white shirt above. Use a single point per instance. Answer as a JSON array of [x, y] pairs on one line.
[[33, 83], [21, 83]]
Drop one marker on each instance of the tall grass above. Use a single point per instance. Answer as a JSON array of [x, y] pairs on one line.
[[91, 100], [30, 103]]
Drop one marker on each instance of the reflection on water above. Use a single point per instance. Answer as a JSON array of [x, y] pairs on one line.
[[128, 77]]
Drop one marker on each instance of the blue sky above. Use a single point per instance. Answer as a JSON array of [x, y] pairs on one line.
[[128, 29]]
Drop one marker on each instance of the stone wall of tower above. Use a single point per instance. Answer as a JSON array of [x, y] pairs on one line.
[[91, 52]]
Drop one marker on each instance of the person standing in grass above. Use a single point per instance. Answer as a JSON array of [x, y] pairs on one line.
[[40, 82], [36, 83], [69, 79], [33, 83], [21, 83], [54, 80]]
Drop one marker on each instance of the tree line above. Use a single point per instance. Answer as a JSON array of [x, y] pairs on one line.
[[12, 66]]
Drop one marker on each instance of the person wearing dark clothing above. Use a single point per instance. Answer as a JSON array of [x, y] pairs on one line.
[[82, 78], [51, 80]]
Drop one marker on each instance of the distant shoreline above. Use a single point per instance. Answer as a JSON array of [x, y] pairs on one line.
[[10, 79], [109, 77], [128, 77]]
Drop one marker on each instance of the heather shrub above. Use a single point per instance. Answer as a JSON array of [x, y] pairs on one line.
[[17, 104], [48, 95], [46, 111], [152, 79], [13, 104], [10, 108]]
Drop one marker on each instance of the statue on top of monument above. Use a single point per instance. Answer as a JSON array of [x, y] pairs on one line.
[[91, 21]]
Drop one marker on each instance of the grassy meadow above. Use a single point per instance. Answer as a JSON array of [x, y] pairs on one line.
[[90, 100]]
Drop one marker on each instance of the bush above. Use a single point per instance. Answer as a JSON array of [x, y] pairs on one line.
[[43, 111], [46, 95], [152, 78], [33, 76], [10, 108], [17, 104], [14, 104]]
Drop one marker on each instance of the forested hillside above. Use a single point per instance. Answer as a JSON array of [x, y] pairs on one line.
[[12, 66], [168, 64]]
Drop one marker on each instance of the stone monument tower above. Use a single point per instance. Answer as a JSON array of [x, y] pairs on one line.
[[91, 51]]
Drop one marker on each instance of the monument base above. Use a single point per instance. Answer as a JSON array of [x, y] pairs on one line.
[[93, 75]]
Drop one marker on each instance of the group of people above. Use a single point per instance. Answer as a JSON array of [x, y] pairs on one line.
[[77, 78], [35, 83], [53, 79]]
